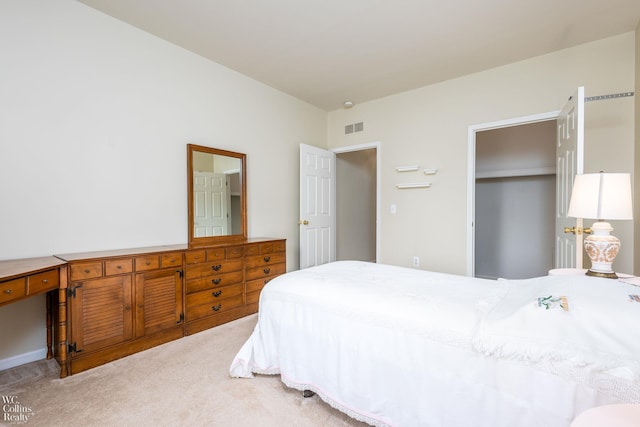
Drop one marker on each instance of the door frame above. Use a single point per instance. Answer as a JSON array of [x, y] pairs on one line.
[[359, 147], [471, 171]]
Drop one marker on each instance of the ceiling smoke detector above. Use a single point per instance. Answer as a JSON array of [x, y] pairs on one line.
[[347, 104]]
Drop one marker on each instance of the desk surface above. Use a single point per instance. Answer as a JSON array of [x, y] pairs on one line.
[[19, 267]]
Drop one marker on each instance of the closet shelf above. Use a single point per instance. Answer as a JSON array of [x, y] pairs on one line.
[[512, 173]]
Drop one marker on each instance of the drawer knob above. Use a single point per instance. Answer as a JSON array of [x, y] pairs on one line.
[[267, 259], [216, 267], [45, 281], [267, 270], [216, 307], [217, 293], [86, 271], [216, 281], [8, 291]]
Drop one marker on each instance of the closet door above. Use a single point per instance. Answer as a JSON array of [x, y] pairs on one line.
[[569, 163]]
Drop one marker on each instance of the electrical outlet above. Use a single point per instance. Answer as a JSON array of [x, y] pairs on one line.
[[416, 261]]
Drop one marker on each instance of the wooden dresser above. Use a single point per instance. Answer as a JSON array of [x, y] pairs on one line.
[[224, 282], [124, 301]]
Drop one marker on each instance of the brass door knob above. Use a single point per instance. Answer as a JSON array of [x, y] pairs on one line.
[[574, 230], [303, 222]]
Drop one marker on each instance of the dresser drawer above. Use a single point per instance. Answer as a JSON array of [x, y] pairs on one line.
[[212, 268], [42, 282], [220, 306], [12, 290], [266, 271], [267, 259], [213, 296], [234, 252], [86, 270], [194, 257], [265, 248], [113, 267], [256, 285], [216, 254], [215, 280], [280, 246], [252, 298], [150, 262], [251, 250], [173, 259]]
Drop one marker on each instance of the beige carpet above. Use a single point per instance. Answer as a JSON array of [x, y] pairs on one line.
[[182, 383]]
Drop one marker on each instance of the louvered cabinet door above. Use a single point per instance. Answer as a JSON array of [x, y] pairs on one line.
[[158, 301], [101, 311]]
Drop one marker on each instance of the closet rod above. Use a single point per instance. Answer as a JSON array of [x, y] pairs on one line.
[[610, 96]]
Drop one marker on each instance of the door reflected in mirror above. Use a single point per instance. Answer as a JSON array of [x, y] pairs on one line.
[[217, 203]]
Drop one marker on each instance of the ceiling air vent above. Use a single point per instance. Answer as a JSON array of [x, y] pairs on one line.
[[355, 127]]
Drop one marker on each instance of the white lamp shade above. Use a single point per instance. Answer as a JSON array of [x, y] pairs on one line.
[[604, 196]]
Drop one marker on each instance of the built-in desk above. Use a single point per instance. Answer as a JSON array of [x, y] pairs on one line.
[[24, 278]]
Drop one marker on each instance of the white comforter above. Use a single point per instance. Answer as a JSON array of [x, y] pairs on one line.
[[396, 346]]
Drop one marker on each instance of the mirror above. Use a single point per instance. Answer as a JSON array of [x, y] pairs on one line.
[[217, 195]]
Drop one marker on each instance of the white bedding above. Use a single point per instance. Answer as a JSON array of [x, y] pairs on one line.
[[396, 346]]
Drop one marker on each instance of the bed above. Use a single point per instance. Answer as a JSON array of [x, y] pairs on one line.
[[394, 346]]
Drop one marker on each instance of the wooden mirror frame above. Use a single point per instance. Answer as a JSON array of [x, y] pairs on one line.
[[213, 240]]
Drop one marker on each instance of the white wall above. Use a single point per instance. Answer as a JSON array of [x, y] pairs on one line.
[[95, 116], [429, 126]]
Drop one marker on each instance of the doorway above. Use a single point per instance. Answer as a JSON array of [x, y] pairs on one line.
[[515, 196], [512, 165], [357, 196]]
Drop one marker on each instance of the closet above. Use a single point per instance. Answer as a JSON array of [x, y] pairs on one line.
[[515, 201]]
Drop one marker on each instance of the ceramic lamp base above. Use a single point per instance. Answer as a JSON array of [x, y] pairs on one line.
[[602, 248]]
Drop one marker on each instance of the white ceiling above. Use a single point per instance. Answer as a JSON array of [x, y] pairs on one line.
[[329, 51]]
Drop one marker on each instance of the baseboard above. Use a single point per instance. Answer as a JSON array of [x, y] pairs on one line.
[[21, 359]]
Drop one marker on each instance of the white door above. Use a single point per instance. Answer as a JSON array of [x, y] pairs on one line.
[[570, 160], [211, 204], [317, 213]]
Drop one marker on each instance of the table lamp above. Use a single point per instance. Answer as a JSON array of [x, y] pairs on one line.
[[601, 196]]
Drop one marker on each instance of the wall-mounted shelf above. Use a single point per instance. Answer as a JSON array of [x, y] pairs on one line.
[[413, 185], [407, 168]]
